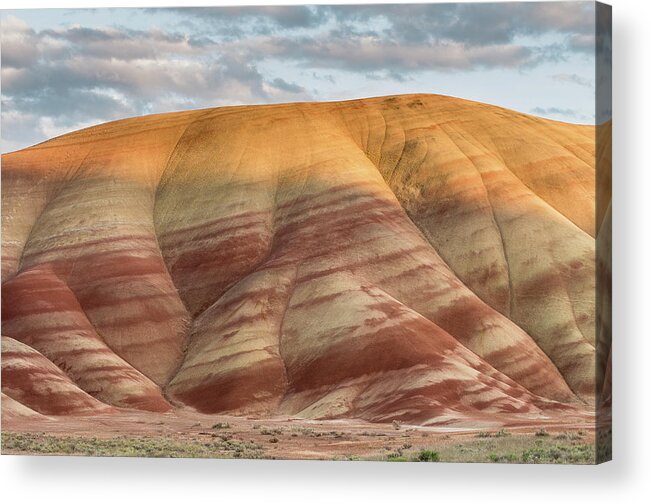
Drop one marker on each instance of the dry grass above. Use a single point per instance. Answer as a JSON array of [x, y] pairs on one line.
[[502, 446], [42, 444]]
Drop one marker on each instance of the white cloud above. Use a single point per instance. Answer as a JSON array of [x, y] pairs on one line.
[[57, 79], [574, 78]]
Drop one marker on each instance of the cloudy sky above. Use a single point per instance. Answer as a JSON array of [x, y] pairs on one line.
[[67, 69]]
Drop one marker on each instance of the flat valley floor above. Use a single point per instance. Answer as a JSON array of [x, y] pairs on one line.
[[191, 435]]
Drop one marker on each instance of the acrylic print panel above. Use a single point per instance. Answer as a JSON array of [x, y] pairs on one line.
[[375, 232]]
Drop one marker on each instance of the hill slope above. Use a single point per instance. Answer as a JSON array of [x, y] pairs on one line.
[[415, 257]]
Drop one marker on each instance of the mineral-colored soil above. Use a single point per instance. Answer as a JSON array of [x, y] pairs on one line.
[[419, 258]]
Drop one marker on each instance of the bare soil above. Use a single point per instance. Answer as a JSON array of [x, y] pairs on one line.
[[188, 434]]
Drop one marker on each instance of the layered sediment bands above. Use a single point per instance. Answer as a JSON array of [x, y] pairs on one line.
[[214, 230], [234, 361], [12, 410], [21, 207], [414, 257], [498, 225], [97, 233], [604, 161], [394, 364], [109, 257], [604, 267], [31, 379], [41, 311], [604, 310]]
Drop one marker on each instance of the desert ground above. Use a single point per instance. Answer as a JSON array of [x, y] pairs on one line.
[[183, 434]]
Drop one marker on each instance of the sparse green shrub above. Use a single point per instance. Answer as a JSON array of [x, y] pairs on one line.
[[499, 434], [123, 446], [578, 454], [221, 425], [265, 431], [507, 457], [428, 456]]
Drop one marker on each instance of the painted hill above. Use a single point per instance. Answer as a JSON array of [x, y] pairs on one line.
[[417, 257]]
